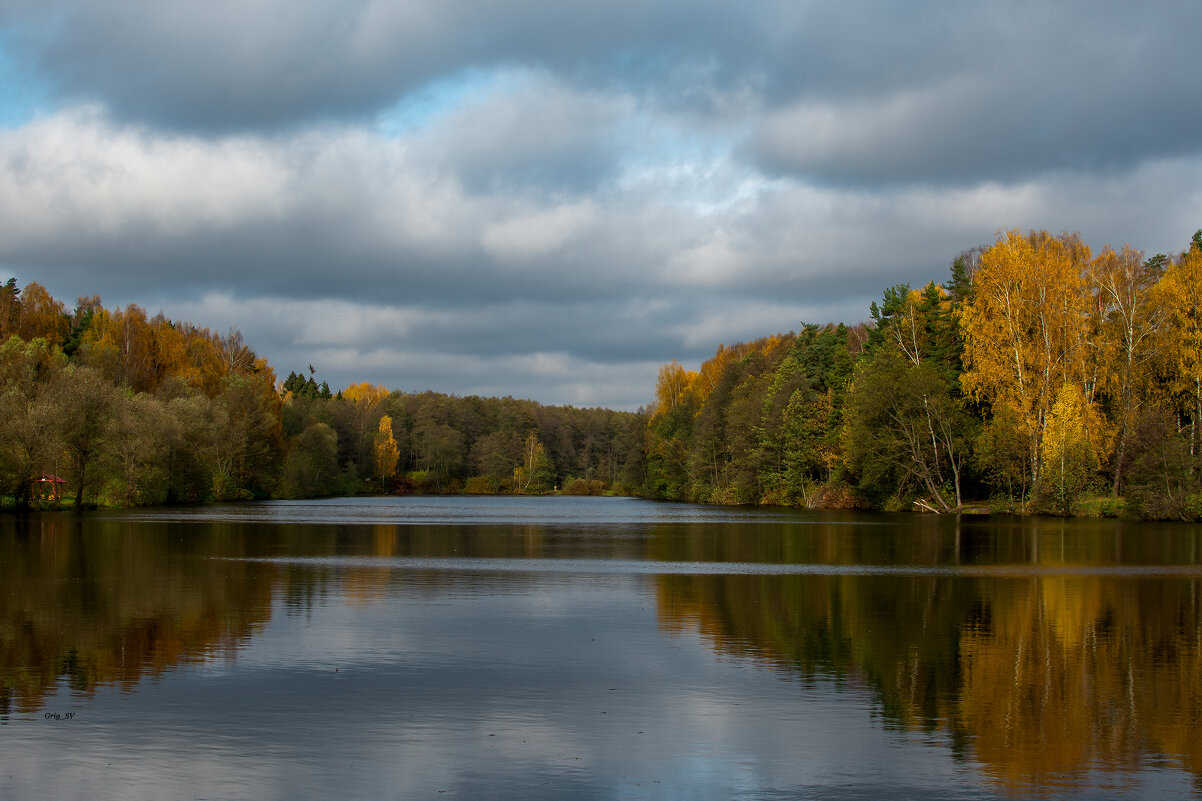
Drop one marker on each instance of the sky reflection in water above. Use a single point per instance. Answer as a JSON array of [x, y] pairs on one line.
[[224, 658]]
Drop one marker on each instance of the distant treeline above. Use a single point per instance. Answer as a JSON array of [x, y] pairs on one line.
[[112, 407], [1039, 376]]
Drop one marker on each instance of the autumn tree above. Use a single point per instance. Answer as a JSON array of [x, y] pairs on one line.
[[40, 316], [670, 430], [1180, 290], [386, 452], [363, 402], [122, 345], [233, 353], [1022, 329], [1129, 326], [1069, 457]]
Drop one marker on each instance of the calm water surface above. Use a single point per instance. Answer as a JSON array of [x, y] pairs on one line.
[[588, 648]]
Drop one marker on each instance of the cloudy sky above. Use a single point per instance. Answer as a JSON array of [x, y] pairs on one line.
[[550, 200]]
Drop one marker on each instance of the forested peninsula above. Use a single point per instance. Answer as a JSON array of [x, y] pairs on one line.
[[1038, 377]]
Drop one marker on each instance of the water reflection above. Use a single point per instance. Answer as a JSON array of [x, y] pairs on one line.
[[110, 603], [1040, 678], [1039, 653]]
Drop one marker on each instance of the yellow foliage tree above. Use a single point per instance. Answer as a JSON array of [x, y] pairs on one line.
[[386, 451], [673, 388], [1180, 290], [365, 399], [1127, 320], [1069, 457], [712, 369], [40, 315], [365, 393], [1023, 328], [123, 345]]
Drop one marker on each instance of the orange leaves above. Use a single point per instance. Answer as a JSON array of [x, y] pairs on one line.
[[713, 368], [40, 316], [141, 353]]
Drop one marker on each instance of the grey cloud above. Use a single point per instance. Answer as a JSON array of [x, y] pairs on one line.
[[531, 133], [1014, 94], [305, 217], [238, 65], [431, 261], [965, 133], [864, 95]]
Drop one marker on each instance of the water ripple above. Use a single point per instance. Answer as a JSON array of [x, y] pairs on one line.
[[643, 567]]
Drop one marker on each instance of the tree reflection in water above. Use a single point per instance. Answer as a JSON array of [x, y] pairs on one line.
[[1045, 650], [111, 603], [1040, 675]]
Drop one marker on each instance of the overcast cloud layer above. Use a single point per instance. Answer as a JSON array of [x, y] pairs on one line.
[[550, 200]]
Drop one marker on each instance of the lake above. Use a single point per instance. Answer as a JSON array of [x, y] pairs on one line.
[[594, 648]]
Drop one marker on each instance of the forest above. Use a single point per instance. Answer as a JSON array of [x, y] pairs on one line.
[[1038, 377], [110, 407]]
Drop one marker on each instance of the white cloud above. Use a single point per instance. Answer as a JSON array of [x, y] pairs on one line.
[[412, 259], [538, 233], [76, 173]]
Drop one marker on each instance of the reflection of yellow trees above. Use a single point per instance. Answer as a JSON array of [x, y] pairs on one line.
[[110, 606], [1046, 691], [365, 584], [1083, 671], [1043, 676]]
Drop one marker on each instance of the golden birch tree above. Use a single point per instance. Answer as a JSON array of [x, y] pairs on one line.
[[535, 473], [1022, 330], [364, 400], [1069, 457], [1128, 322], [386, 451]]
